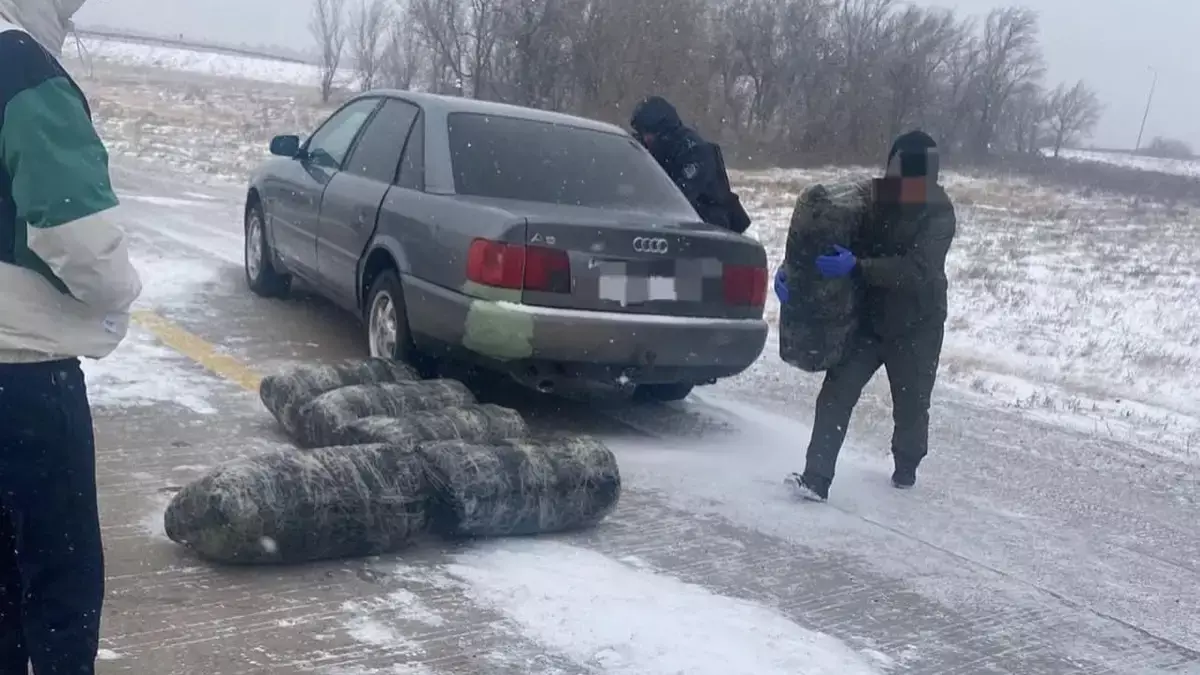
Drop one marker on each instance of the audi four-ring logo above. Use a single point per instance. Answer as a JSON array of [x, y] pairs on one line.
[[649, 245]]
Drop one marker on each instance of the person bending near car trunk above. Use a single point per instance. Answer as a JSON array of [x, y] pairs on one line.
[[66, 285], [694, 164], [899, 260]]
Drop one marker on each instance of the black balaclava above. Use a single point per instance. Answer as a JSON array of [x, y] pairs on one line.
[[655, 115], [918, 156]]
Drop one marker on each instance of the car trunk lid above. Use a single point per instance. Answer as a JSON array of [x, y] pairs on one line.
[[638, 264]]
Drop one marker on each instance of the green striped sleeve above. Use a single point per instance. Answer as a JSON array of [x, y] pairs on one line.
[[57, 163], [57, 181]]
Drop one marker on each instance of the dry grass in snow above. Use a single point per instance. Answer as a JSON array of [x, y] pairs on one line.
[[204, 125], [1077, 308], [94, 51]]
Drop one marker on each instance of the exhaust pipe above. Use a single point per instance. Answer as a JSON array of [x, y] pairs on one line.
[[546, 386]]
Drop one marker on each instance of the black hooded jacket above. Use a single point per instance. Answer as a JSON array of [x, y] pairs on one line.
[[694, 164]]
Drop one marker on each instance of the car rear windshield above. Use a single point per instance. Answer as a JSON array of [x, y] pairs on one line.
[[529, 160]]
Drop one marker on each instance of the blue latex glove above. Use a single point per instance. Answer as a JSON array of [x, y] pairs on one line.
[[781, 289], [838, 265]]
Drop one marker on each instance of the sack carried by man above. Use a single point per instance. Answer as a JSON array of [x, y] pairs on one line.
[[821, 315]]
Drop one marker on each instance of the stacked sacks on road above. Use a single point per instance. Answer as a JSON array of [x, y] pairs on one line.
[[821, 315], [470, 423], [320, 421], [285, 394], [289, 507], [383, 451], [520, 487]]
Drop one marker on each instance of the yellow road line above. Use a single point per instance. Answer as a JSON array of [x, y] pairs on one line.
[[198, 349]]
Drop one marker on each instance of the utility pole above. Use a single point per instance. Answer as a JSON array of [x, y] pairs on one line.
[[1149, 99]]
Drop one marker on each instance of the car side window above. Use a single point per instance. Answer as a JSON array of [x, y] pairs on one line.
[[329, 145], [412, 166], [377, 153]]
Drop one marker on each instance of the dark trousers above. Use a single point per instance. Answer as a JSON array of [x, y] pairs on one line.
[[911, 362], [51, 559]]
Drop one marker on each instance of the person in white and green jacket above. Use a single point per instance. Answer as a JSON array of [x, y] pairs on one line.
[[66, 286]]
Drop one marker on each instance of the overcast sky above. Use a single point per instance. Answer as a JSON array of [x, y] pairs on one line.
[[1110, 43]]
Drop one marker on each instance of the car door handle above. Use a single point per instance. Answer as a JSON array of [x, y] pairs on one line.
[[362, 217]]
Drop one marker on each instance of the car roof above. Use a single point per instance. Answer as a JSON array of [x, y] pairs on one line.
[[440, 105]]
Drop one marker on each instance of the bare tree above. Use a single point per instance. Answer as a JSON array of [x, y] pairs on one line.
[[625, 50], [402, 56], [860, 31], [1010, 58], [438, 24], [754, 34], [1074, 111], [951, 99], [923, 43], [370, 25], [531, 64], [1023, 122], [461, 36], [483, 17], [327, 28]]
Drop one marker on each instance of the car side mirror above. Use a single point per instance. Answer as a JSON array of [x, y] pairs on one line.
[[285, 146]]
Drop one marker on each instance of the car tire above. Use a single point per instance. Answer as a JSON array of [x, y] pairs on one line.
[[261, 275], [663, 393], [385, 321]]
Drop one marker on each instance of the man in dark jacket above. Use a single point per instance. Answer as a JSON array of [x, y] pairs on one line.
[[899, 261], [694, 164]]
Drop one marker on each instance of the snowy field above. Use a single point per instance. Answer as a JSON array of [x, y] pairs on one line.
[[1080, 310], [116, 52], [1179, 167]]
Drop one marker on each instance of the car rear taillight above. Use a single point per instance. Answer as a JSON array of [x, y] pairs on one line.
[[495, 263], [547, 270], [744, 285], [530, 268]]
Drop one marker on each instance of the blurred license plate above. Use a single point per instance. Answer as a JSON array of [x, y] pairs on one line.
[[632, 290], [633, 282]]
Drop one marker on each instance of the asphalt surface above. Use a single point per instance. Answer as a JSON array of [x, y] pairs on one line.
[[1025, 549]]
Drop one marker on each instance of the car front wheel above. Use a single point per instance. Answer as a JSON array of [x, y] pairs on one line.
[[261, 275]]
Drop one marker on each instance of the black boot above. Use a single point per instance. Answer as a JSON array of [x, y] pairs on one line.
[[808, 487], [905, 475]]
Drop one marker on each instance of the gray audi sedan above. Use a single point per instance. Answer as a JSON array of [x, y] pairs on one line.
[[548, 247]]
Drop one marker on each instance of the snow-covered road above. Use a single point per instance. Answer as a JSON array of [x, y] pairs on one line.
[[1027, 548]]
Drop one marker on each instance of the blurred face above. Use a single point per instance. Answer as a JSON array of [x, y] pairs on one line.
[[896, 190], [900, 189], [647, 139]]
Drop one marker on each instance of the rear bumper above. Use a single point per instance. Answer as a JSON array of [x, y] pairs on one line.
[[547, 342]]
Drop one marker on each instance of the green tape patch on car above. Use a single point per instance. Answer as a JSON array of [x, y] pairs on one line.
[[498, 332]]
